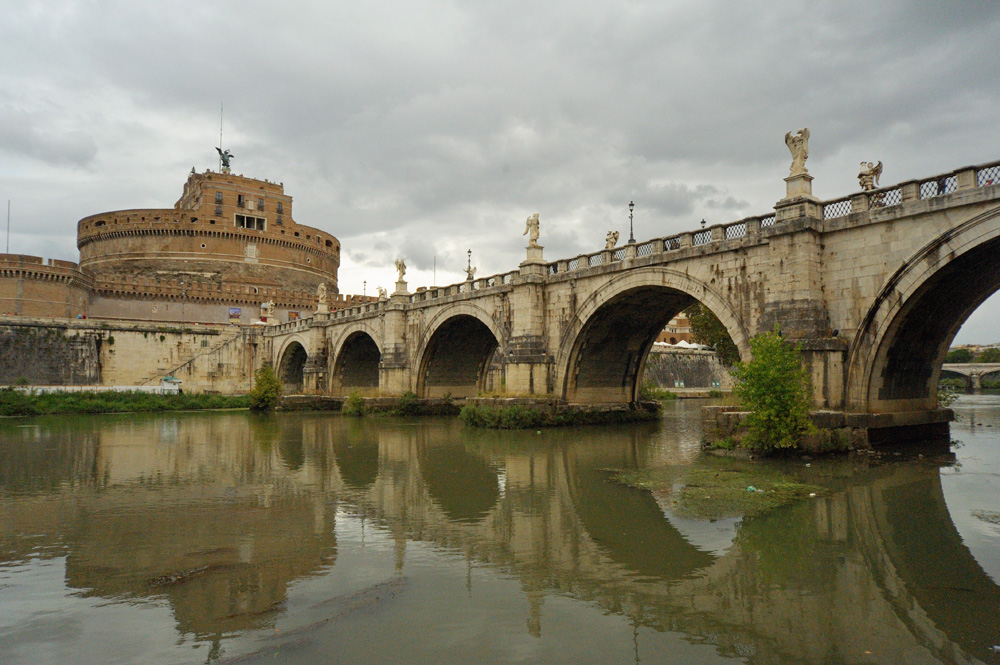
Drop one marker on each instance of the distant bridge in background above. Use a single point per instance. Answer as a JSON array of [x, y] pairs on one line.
[[973, 373]]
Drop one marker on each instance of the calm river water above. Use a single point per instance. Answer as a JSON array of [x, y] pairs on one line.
[[310, 538]]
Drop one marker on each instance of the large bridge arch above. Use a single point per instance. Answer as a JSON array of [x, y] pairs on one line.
[[455, 351], [292, 358], [356, 359], [603, 351], [895, 360]]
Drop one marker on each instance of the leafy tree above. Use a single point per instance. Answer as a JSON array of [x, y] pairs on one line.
[[706, 328], [266, 390], [774, 387], [989, 356], [959, 356]]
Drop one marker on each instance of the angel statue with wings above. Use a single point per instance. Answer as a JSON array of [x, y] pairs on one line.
[[611, 240], [225, 156], [531, 230], [798, 145], [868, 175]]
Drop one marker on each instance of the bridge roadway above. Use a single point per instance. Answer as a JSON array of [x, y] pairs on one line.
[[874, 285], [973, 372]]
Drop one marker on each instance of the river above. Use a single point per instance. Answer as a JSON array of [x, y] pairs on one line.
[[312, 538]]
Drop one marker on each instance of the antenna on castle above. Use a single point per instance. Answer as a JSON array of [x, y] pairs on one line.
[[221, 109], [8, 226]]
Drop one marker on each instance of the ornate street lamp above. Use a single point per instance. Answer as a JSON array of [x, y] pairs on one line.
[[631, 236]]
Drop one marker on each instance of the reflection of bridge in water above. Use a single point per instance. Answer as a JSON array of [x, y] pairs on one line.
[[875, 565]]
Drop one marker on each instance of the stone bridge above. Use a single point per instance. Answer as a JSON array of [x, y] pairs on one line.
[[874, 285], [972, 372]]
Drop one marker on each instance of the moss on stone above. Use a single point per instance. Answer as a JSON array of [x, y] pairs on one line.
[[714, 488]]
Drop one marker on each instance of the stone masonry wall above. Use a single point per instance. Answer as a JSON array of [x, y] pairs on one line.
[[694, 368], [49, 355], [52, 352]]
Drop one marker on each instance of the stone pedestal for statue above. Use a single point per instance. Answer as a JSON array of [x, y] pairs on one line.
[[534, 264], [322, 307], [798, 185], [799, 200], [401, 288]]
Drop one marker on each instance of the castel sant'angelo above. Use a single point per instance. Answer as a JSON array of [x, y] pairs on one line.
[[228, 246]]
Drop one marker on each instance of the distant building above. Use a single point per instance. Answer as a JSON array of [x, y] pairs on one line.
[[678, 329], [227, 245]]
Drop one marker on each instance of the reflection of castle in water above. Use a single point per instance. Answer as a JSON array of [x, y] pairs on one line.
[[222, 529]]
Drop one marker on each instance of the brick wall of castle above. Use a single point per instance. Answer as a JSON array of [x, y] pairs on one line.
[[33, 286]]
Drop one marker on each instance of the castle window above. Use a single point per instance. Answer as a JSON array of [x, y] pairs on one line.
[[296, 234], [248, 222], [280, 208], [218, 210], [240, 202], [260, 204], [329, 243], [100, 223], [218, 197], [279, 219]]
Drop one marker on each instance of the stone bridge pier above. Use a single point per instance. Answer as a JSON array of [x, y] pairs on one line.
[[873, 285]]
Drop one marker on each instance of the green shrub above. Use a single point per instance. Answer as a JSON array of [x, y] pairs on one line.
[[354, 405], [706, 328], [409, 405], [774, 388], [266, 390], [506, 417], [17, 403], [991, 355], [649, 390], [959, 356]]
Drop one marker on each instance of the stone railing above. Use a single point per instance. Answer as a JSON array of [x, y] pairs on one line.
[[969, 177], [984, 175], [731, 231]]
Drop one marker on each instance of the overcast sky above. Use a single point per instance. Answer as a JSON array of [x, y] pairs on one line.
[[425, 129]]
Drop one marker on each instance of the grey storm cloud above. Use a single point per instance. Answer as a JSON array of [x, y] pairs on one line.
[[426, 129]]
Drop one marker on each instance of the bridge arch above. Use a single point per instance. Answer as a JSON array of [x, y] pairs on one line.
[[356, 360], [455, 351], [895, 360], [291, 361], [603, 351]]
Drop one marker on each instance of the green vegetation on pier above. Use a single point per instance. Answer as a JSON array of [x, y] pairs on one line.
[[519, 416]]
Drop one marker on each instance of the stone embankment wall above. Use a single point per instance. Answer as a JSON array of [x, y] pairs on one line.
[[49, 355], [58, 352], [694, 368]]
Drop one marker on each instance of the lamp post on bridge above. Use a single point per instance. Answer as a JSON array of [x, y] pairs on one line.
[[631, 236]]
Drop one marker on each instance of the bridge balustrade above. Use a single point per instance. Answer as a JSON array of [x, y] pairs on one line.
[[838, 208], [938, 187], [737, 230], [988, 176]]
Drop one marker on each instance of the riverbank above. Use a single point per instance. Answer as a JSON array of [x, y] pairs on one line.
[[24, 403]]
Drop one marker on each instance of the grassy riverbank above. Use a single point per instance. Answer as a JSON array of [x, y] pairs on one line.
[[18, 403]]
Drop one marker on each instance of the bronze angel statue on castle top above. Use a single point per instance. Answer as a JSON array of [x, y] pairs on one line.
[[225, 156]]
